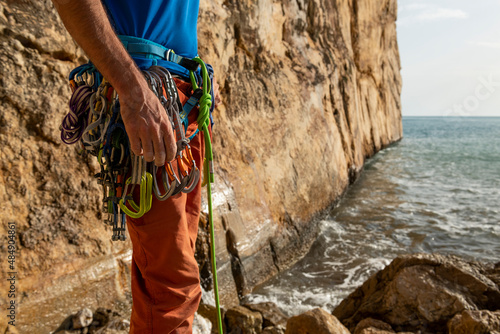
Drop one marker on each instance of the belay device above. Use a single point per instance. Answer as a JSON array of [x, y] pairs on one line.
[[95, 123]]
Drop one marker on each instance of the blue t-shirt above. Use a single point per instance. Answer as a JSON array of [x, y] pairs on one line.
[[171, 23]]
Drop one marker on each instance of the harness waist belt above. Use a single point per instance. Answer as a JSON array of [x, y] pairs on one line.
[[141, 46]]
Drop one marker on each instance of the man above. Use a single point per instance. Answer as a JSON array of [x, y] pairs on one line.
[[165, 279]]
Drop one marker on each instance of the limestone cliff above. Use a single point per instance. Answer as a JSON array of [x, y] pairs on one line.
[[311, 88]]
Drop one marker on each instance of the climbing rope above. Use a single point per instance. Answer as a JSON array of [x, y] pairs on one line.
[[203, 126]]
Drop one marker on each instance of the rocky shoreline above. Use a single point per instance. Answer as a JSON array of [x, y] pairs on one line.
[[419, 293]]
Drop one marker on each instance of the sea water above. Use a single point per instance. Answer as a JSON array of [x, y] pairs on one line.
[[437, 190]]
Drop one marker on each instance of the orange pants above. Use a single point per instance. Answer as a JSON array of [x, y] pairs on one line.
[[165, 277]]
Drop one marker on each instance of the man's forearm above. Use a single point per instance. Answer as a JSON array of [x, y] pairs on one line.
[[148, 128], [87, 22]]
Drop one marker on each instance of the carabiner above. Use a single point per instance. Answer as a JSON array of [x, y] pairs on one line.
[[146, 197], [194, 174], [170, 182], [183, 173]]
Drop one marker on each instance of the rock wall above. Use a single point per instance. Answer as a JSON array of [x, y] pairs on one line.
[[311, 88]]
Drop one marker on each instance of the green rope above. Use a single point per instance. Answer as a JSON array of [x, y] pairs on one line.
[[203, 125]]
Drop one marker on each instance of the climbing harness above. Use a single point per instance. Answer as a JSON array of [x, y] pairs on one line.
[[95, 123]]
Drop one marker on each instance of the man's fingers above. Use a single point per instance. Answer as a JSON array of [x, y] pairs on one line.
[[147, 147], [159, 153], [171, 147], [168, 140], [135, 145]]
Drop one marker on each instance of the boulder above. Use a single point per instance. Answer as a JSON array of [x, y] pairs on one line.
[[241, 320], [493, 273], [271, 314], [274, 330], [316, 321], [475, 322], [421, 292], [374, 330], [201, 325], [82, 318], [102, 317], [107, 321], [103, 321], [209, 312], [372, 326]]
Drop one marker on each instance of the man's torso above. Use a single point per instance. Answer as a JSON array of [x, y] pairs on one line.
[[171, 23]]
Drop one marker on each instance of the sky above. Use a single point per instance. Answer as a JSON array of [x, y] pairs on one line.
[[450, 57]]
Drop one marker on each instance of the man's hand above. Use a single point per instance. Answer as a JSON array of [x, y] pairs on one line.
[[148, 127]]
